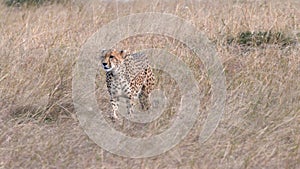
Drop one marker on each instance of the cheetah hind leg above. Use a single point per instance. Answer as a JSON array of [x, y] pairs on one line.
[[146, 90], [144, 100]]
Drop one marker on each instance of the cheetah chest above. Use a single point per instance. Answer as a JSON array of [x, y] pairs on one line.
[[118, 85]]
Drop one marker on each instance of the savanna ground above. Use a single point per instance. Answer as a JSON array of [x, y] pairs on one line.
[[260, 127]]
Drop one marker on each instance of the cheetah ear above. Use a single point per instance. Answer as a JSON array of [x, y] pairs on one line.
[[123, 53], [103, 51]]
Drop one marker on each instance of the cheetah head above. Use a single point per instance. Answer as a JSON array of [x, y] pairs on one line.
[[111, 59]]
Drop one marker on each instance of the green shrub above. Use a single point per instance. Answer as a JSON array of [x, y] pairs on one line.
[[32, 2], [248, 38]]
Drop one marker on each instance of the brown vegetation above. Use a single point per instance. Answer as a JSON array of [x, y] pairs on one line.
[[259, 129]]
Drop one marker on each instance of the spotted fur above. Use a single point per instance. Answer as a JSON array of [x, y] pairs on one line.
[[128, 76]]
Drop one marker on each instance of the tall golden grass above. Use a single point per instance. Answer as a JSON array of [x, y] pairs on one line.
[[259, 129]]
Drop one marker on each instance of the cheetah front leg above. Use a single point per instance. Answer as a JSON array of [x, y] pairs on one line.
[[125, 93], [114, 104], [129, 101]]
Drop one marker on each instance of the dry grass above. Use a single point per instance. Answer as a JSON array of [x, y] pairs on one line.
[[261, 124]]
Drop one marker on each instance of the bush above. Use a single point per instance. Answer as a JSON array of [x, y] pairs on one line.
[[248, 38], [32, 2]]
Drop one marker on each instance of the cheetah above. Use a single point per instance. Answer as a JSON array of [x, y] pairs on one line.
[[129, 76]]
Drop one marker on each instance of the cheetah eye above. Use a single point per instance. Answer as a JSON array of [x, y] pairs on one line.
[[111, 56]]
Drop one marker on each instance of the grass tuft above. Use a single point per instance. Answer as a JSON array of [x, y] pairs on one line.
[[260, 38]]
